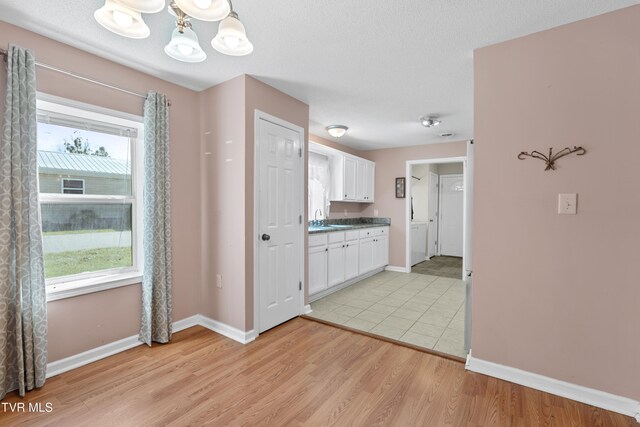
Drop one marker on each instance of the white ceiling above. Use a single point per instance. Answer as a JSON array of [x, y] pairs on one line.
[[375, 66]]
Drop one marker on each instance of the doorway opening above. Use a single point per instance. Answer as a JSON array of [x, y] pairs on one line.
[[438, 245]]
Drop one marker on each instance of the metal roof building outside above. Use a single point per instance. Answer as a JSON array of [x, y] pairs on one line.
[[51, 162]]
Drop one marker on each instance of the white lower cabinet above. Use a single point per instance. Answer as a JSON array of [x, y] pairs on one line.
[[335, 268], [317, 268], [380, 251], [366, 255], [339, 257], [351, 258]]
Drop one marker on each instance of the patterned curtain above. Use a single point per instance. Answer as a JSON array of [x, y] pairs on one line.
[[23, 302], [156, 283]]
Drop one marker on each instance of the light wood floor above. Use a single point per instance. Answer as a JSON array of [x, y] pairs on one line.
[[300, 373]]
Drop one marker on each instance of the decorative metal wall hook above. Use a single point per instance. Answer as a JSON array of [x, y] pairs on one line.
[[550, 160]]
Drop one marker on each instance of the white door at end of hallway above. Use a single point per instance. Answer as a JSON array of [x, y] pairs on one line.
[[279, 228], [451, 215]]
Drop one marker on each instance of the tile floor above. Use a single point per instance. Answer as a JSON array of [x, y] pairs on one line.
[[419, 309], [441, 266]]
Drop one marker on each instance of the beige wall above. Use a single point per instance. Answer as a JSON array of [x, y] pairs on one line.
[[227, 116], [391, 163], [223, 177], [85, 322], [558, 295]]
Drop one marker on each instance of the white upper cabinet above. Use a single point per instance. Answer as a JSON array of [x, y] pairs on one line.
[[352, 178], [366, 180], [350, 183]]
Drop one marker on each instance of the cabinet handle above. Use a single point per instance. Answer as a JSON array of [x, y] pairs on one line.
[[347, 245], [326, 250]]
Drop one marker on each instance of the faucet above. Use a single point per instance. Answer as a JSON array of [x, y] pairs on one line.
[[315, 214]]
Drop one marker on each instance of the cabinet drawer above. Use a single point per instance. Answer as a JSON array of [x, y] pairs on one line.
[[337, 237], [381, 231], [367, 232], [352, 235], [317, 240]]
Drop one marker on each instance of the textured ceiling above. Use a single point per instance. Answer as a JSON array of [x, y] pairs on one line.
[[375, 66]]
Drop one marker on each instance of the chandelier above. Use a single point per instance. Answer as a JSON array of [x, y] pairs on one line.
[[124, 17]]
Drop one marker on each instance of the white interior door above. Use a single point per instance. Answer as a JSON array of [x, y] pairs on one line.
[[279, 206], [432, 201], [451, 215]]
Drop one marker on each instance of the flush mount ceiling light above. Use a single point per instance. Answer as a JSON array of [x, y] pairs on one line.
[[124, 17], [232, 37], [337, 131], [429, 121]]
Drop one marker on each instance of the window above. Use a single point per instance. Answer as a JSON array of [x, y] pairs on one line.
[[72, 186], [90, 197], [318, 186]]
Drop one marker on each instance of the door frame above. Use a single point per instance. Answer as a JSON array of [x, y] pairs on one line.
[[409, 163], [437, 226], [260, 115], [464, 196]]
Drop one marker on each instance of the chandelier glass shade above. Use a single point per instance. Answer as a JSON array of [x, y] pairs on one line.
[[122, 20], [185, 46], [205, 10], [143, 6], [232, 37]]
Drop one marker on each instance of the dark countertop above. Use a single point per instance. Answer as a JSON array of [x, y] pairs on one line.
[[342, 227]]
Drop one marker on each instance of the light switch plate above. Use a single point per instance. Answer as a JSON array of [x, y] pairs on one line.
[[567, 203]]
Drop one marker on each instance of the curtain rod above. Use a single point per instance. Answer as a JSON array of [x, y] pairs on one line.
[[4, 53]]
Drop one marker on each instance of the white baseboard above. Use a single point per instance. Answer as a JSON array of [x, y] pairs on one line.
[[307, 309], [600, 399], [226, 330], [72, 362], [397, 269], [187, 323]]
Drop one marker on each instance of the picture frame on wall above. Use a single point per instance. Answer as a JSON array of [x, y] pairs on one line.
[[400, 188]]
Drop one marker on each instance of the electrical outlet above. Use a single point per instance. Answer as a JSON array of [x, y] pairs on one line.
[[375, 212], [219, 280]]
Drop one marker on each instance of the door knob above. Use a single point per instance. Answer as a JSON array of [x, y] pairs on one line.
[[266, 237]]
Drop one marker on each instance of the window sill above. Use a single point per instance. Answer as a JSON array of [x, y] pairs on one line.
[[86, 286]]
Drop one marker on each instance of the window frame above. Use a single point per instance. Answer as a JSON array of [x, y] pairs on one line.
[[63, 187], [83, 283]]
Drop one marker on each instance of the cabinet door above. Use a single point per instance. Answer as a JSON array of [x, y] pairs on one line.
[[361, 181], [317, 269], [335, 270], [370, 182], [380, 251], [351, 259], [350, 178], [366, 255]]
